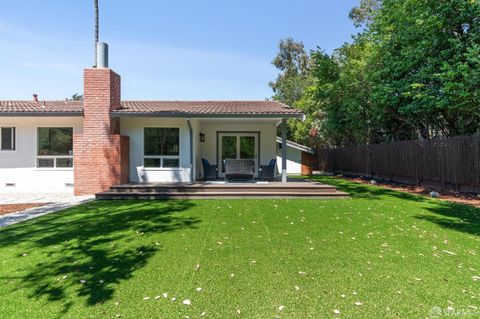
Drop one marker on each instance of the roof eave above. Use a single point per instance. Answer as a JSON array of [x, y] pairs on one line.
[[297, 146], [203, 115], [40, 114]]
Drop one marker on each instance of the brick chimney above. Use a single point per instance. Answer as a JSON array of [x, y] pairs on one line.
[[101, 155]]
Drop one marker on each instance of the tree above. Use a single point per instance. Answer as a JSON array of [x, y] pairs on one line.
[[293, 80], [427, 79], [77, 97], [413, 72], [95, 4], [293, 62], [364, 13]]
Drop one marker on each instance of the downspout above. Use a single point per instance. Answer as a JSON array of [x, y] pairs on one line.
[[191, 149]]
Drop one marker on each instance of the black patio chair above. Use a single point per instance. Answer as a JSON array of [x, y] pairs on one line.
[[209, 170], [267, 172]]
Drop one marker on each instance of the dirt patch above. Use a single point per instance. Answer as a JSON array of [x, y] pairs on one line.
[[13, 208], [468, 199]]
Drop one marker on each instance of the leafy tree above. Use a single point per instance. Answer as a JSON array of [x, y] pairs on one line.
[[427, 78], [413, 72], [293, 63], [289, 88], [364, 13], [77, 97]]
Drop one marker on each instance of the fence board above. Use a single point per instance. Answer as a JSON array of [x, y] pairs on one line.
[[452, 163]]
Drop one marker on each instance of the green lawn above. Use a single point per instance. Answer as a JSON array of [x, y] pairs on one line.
[[395, 255]]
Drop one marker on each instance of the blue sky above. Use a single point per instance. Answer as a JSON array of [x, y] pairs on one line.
[[166, 50]]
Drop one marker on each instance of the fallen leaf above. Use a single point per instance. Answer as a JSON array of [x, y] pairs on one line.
[[448, 252]]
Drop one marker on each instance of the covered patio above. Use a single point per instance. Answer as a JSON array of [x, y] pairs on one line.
[[184, 142]]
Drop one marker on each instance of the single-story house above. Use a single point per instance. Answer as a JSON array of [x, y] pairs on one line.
[[300, 158], [87, 146]]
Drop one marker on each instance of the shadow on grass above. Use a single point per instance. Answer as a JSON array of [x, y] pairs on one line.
[[454, 216], [462, 218], [88, 250], [359, 190]]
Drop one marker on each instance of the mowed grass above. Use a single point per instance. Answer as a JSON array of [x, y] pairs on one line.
[[379, 254]]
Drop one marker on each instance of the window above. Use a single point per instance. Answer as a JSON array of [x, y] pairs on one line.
[[7, 139], [161, 147], [55, 147]]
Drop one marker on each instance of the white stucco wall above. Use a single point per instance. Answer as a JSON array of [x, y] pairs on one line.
[[133, 128], [266, 128], [294, 160], [19, 167]]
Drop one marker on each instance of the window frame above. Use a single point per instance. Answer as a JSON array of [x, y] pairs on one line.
[[14, 139], [54, 157], [162, 157]]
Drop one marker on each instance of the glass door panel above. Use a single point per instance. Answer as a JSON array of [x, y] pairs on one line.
[[247, 147], [228, 149]]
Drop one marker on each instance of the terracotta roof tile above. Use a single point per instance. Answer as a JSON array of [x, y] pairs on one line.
[[207, 107], [41, 107], [167, 108]]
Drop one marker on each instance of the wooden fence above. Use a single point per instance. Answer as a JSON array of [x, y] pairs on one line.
[[452, 163]]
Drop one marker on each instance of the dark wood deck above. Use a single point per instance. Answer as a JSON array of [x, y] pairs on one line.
[[217, 189]]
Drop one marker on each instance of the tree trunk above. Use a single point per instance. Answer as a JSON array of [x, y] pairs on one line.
[[96, 33]]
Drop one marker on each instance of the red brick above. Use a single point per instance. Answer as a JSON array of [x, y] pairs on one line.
[[101, 155]]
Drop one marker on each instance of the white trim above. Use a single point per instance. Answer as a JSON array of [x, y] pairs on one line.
[[14, 138], [157, 169], [55, 158], [297, 146], [54, 168]]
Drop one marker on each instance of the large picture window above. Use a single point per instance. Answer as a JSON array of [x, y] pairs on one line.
[[161, 147], [7, 138], [55, 147]]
